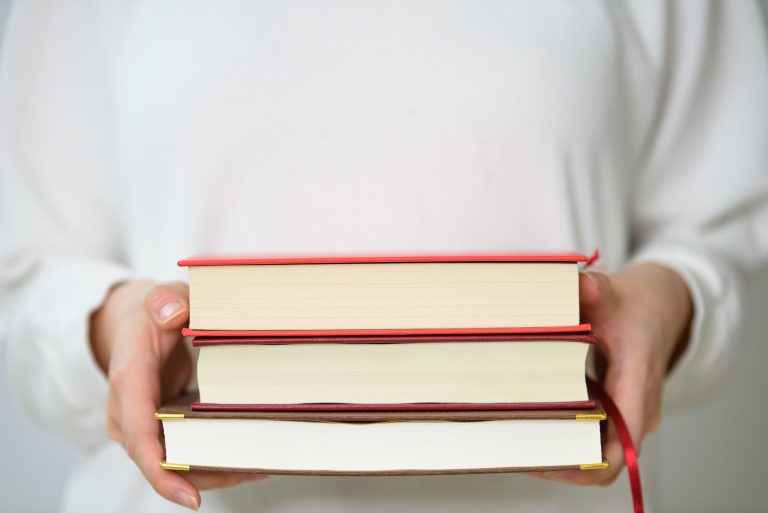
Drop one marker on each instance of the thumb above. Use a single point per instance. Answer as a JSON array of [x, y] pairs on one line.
[[596, 291], [168, 305]]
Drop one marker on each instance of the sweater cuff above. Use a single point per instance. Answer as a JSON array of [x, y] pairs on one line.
[[50, 357]]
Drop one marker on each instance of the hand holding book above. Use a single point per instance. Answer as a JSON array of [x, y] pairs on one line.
[[135, 338], [640, 318]]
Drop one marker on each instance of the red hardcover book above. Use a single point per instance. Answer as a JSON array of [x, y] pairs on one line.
[[381, 259], [467, 372], [384, 295]]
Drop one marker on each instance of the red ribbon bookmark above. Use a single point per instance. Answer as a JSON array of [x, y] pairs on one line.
[[630, 453], [593, 259]]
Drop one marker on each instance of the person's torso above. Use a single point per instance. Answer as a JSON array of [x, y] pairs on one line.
[[377, 127], [317, 127]]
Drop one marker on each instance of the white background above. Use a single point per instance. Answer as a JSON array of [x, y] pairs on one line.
[[714, 455]]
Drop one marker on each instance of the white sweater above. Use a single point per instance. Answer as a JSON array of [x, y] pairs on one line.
[[136, 133]]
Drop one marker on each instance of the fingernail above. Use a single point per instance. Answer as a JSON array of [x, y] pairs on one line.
[[170, 310], [186, 500], [594, 280]]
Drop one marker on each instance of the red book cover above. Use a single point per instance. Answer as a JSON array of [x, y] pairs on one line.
[[362, 259], [585, 338], [380, 259]]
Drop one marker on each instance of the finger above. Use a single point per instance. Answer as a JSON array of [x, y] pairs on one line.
[[596, 292], [581, 477], [612, 452], [211, 480], [628, 385], [168, 305], [134, 379], [653, 395], [630, 389], [653, 409], [113, 430], [138, 400]]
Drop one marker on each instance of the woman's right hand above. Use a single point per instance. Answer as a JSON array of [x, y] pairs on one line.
[[136, 339]]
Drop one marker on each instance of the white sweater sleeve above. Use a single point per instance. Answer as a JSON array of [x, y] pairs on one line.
[[60, 249], [701, 202]]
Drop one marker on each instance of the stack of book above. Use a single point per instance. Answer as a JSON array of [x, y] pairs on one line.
[[386, 365]]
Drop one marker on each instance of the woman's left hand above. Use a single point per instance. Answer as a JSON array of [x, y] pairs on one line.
[[641, 318]]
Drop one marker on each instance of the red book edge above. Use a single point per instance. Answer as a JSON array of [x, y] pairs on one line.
[[368, 259], [586, 338], [574, 405], [187, 332]]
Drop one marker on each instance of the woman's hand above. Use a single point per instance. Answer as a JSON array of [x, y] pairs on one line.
[[641, 318], [135, 338]]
